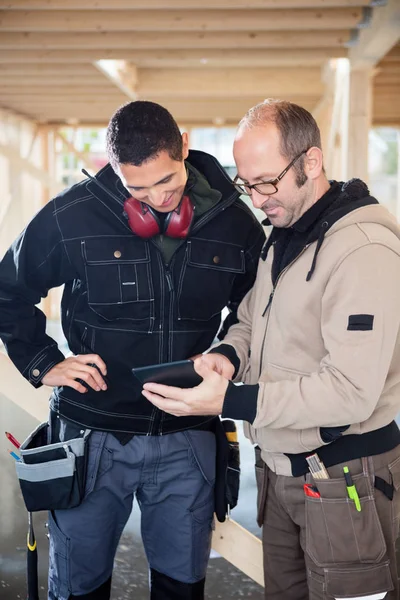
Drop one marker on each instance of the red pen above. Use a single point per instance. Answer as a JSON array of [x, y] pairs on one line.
[[311, 491], [12, 439]]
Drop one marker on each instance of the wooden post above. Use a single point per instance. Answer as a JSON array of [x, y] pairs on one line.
[[398, 177], [44, 143], [360, 120]]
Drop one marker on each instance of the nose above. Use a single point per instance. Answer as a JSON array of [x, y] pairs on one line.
[[258, 199], [156, 198]]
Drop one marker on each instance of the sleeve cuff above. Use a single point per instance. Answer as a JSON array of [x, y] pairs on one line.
[[42, 363], [230, 353], [240, 402]]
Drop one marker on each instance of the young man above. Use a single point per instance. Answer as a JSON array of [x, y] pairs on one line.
[[150, 251], [323, 375]]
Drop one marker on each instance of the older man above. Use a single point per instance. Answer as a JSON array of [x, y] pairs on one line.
[[318, 349]]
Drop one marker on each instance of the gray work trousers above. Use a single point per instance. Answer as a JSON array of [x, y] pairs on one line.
[[324, 548], [172, 477]]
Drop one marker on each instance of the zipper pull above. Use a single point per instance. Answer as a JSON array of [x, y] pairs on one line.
[[169, 281], [269, 302]]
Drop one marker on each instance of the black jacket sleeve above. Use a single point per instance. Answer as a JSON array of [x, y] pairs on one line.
[[36, 262], [243, 283]]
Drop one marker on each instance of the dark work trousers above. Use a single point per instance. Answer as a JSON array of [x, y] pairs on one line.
[[172, 477]]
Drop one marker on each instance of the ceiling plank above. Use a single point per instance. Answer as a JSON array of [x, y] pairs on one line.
[[179, 40], [187, 83], [205, 110], [47, 69], [381, 35], [175, 4], [229, 83], [175, 58], [95, 81], [189, 20]]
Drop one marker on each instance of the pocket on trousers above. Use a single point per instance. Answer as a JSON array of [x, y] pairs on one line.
[[359, 580], [261, 470], [202, 519], [59, 562], [100, 460], [202, 452], [336, 533]]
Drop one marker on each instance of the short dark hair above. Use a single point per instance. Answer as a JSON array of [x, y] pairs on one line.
[[139, 131], [297, 128]]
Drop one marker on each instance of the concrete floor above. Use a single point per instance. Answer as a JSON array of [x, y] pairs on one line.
[[130, 573]]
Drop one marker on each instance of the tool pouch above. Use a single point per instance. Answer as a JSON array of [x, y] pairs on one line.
[[227, 477], [52, 476]]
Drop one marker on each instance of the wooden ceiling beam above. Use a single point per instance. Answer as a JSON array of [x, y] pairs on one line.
[[189, 20], [229, 82], [184, 83], [381, 35], [179, 40], [83, 81], [44, 69], [174, 4], [184, 111], [175, 58]]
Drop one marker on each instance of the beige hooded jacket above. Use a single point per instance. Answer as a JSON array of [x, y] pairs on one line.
[[326, 352]]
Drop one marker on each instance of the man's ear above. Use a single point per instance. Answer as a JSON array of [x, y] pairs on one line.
[[313, 164], [185, 145]]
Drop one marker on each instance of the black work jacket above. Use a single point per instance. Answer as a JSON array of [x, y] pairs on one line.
[[120, 300]]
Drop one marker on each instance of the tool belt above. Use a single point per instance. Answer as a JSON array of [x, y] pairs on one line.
[[52, 476]]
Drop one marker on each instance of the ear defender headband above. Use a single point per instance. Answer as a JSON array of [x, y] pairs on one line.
[[145, 223]]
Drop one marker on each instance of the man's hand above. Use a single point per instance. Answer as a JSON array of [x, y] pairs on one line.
[[204, 399], [78, 367], [220, 364]]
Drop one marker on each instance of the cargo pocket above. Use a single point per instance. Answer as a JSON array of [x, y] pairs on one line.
[[202, 519], [261, 470], [118, 278], [336, 533], [207, 277], [59, 561], [358, 581], [394, 470]]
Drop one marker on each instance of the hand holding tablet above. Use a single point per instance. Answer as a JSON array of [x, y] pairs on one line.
[[177, 374]]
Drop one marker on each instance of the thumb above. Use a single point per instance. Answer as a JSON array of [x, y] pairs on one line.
[[201, 367]]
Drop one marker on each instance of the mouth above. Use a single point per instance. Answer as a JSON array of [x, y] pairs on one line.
[[168, 201], [270, 210]]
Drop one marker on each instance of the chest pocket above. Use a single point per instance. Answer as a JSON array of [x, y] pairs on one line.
[[207, 277], [118, 275]]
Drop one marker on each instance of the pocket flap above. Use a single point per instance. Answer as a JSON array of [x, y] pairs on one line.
[[358, 580], [216, 255], [394, 469], [116, 250], [56, 469]]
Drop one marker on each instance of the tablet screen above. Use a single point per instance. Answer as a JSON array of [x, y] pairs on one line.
[[178, 374]]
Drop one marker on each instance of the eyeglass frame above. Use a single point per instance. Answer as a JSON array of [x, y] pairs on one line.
[[272, 182]]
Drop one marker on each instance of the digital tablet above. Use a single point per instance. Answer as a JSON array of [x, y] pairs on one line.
[[178, 374]]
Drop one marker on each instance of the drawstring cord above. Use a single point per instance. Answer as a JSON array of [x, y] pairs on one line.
[[321, 236]]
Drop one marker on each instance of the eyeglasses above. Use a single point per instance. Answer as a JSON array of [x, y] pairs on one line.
[[266, 188]]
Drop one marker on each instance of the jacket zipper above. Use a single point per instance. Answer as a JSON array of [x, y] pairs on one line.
[[270, 299], [158, 421]]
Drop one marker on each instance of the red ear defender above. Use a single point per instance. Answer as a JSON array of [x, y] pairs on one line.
[[179, 221], [143, 220]]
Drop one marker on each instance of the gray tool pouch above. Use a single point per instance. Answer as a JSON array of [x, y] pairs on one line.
[[52, 476]]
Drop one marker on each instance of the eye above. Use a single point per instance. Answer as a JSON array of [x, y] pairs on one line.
[[166, 180]]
